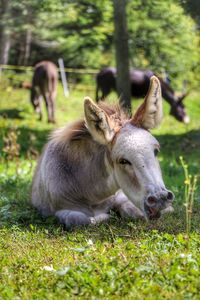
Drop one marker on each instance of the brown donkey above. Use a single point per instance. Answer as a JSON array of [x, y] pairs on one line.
[[44, 83], [105, 162]]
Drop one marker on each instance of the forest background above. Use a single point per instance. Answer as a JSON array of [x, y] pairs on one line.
[[81, 32]]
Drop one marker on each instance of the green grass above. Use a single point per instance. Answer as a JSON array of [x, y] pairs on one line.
[[129, 259]]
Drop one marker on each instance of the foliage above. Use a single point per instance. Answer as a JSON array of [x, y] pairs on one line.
[[84, 34], [122, 259], [161, 36], [11, 147], [192, 7]]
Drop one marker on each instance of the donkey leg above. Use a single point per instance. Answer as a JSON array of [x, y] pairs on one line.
[[100, 218], [48, 106], [39, 108], [52, 97], [125, 207], [72, 218]]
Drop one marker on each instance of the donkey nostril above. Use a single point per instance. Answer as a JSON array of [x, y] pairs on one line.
[[170, 196], [151, 200]]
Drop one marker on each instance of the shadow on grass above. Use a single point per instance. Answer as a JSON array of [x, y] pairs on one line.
[[15, 206], [171, 145], [186, 143], [11, 113], [34, 138]]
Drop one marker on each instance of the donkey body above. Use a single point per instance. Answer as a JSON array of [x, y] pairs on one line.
[[105, 162], [140, 80], [44, 84]]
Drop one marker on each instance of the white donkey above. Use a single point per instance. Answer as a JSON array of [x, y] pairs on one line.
[[105, 162]]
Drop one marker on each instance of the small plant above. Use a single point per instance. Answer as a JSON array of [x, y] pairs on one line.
[[190, 186], [11, 148], [32, 153]]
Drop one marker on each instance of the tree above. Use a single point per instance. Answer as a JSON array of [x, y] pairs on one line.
[[193, 8], [85, 36], [19, 22], [122, 53], [163, 39], [4, 31], [161, 36]]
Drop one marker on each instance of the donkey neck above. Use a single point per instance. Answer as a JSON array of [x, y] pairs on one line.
[[96, 171], [168, 93], [103, 182]]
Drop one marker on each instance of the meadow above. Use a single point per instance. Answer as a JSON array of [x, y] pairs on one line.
[[122, 259]]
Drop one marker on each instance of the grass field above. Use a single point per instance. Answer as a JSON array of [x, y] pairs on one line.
[[129, 259]]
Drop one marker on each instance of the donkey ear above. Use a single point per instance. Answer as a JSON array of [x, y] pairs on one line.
[[149, 114], [98, 122], [182, 97]]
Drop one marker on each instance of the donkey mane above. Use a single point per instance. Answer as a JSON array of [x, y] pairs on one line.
[[78, 130]]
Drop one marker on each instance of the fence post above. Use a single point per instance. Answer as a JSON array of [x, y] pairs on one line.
[[1, 71], [63, 77]]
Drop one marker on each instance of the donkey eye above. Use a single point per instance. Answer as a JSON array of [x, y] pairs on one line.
[[156, 151], [124, 161]]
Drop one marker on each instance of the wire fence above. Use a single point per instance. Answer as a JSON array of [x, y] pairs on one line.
[[67, 70], [21, 76]]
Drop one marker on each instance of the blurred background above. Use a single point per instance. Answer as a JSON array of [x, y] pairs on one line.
[[162, 36]]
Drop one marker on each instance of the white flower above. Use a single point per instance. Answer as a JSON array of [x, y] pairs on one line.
[[48, 268]]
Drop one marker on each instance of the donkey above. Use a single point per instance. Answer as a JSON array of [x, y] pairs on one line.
[[140, 80], [104, 162], [44, 83]]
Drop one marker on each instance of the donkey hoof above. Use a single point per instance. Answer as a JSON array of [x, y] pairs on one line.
[[130, 211], [169, 209], [100, 218]]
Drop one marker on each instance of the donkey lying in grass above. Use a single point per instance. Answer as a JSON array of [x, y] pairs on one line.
[[105, 162]]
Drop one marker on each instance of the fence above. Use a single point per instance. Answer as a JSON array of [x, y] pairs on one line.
[[74, 76], [67, 70]]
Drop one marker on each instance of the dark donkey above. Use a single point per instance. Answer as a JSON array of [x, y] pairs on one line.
[[140, 80], [44, 83]]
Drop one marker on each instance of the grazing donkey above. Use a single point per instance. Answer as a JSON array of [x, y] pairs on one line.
[[44, 83], [105, 162], [140, 80]]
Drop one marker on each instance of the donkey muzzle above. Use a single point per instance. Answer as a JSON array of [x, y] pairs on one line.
[[155, 203]]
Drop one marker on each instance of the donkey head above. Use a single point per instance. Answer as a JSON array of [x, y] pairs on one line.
[[35, 101], [178, 109], [133, 151]]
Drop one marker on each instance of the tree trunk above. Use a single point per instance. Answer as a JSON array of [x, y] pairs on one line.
[[21, 51], [27, 49], [122, 53], [4, 32], [5, 49]]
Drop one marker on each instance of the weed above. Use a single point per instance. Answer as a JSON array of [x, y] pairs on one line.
[[11, 148], [190, 187]]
